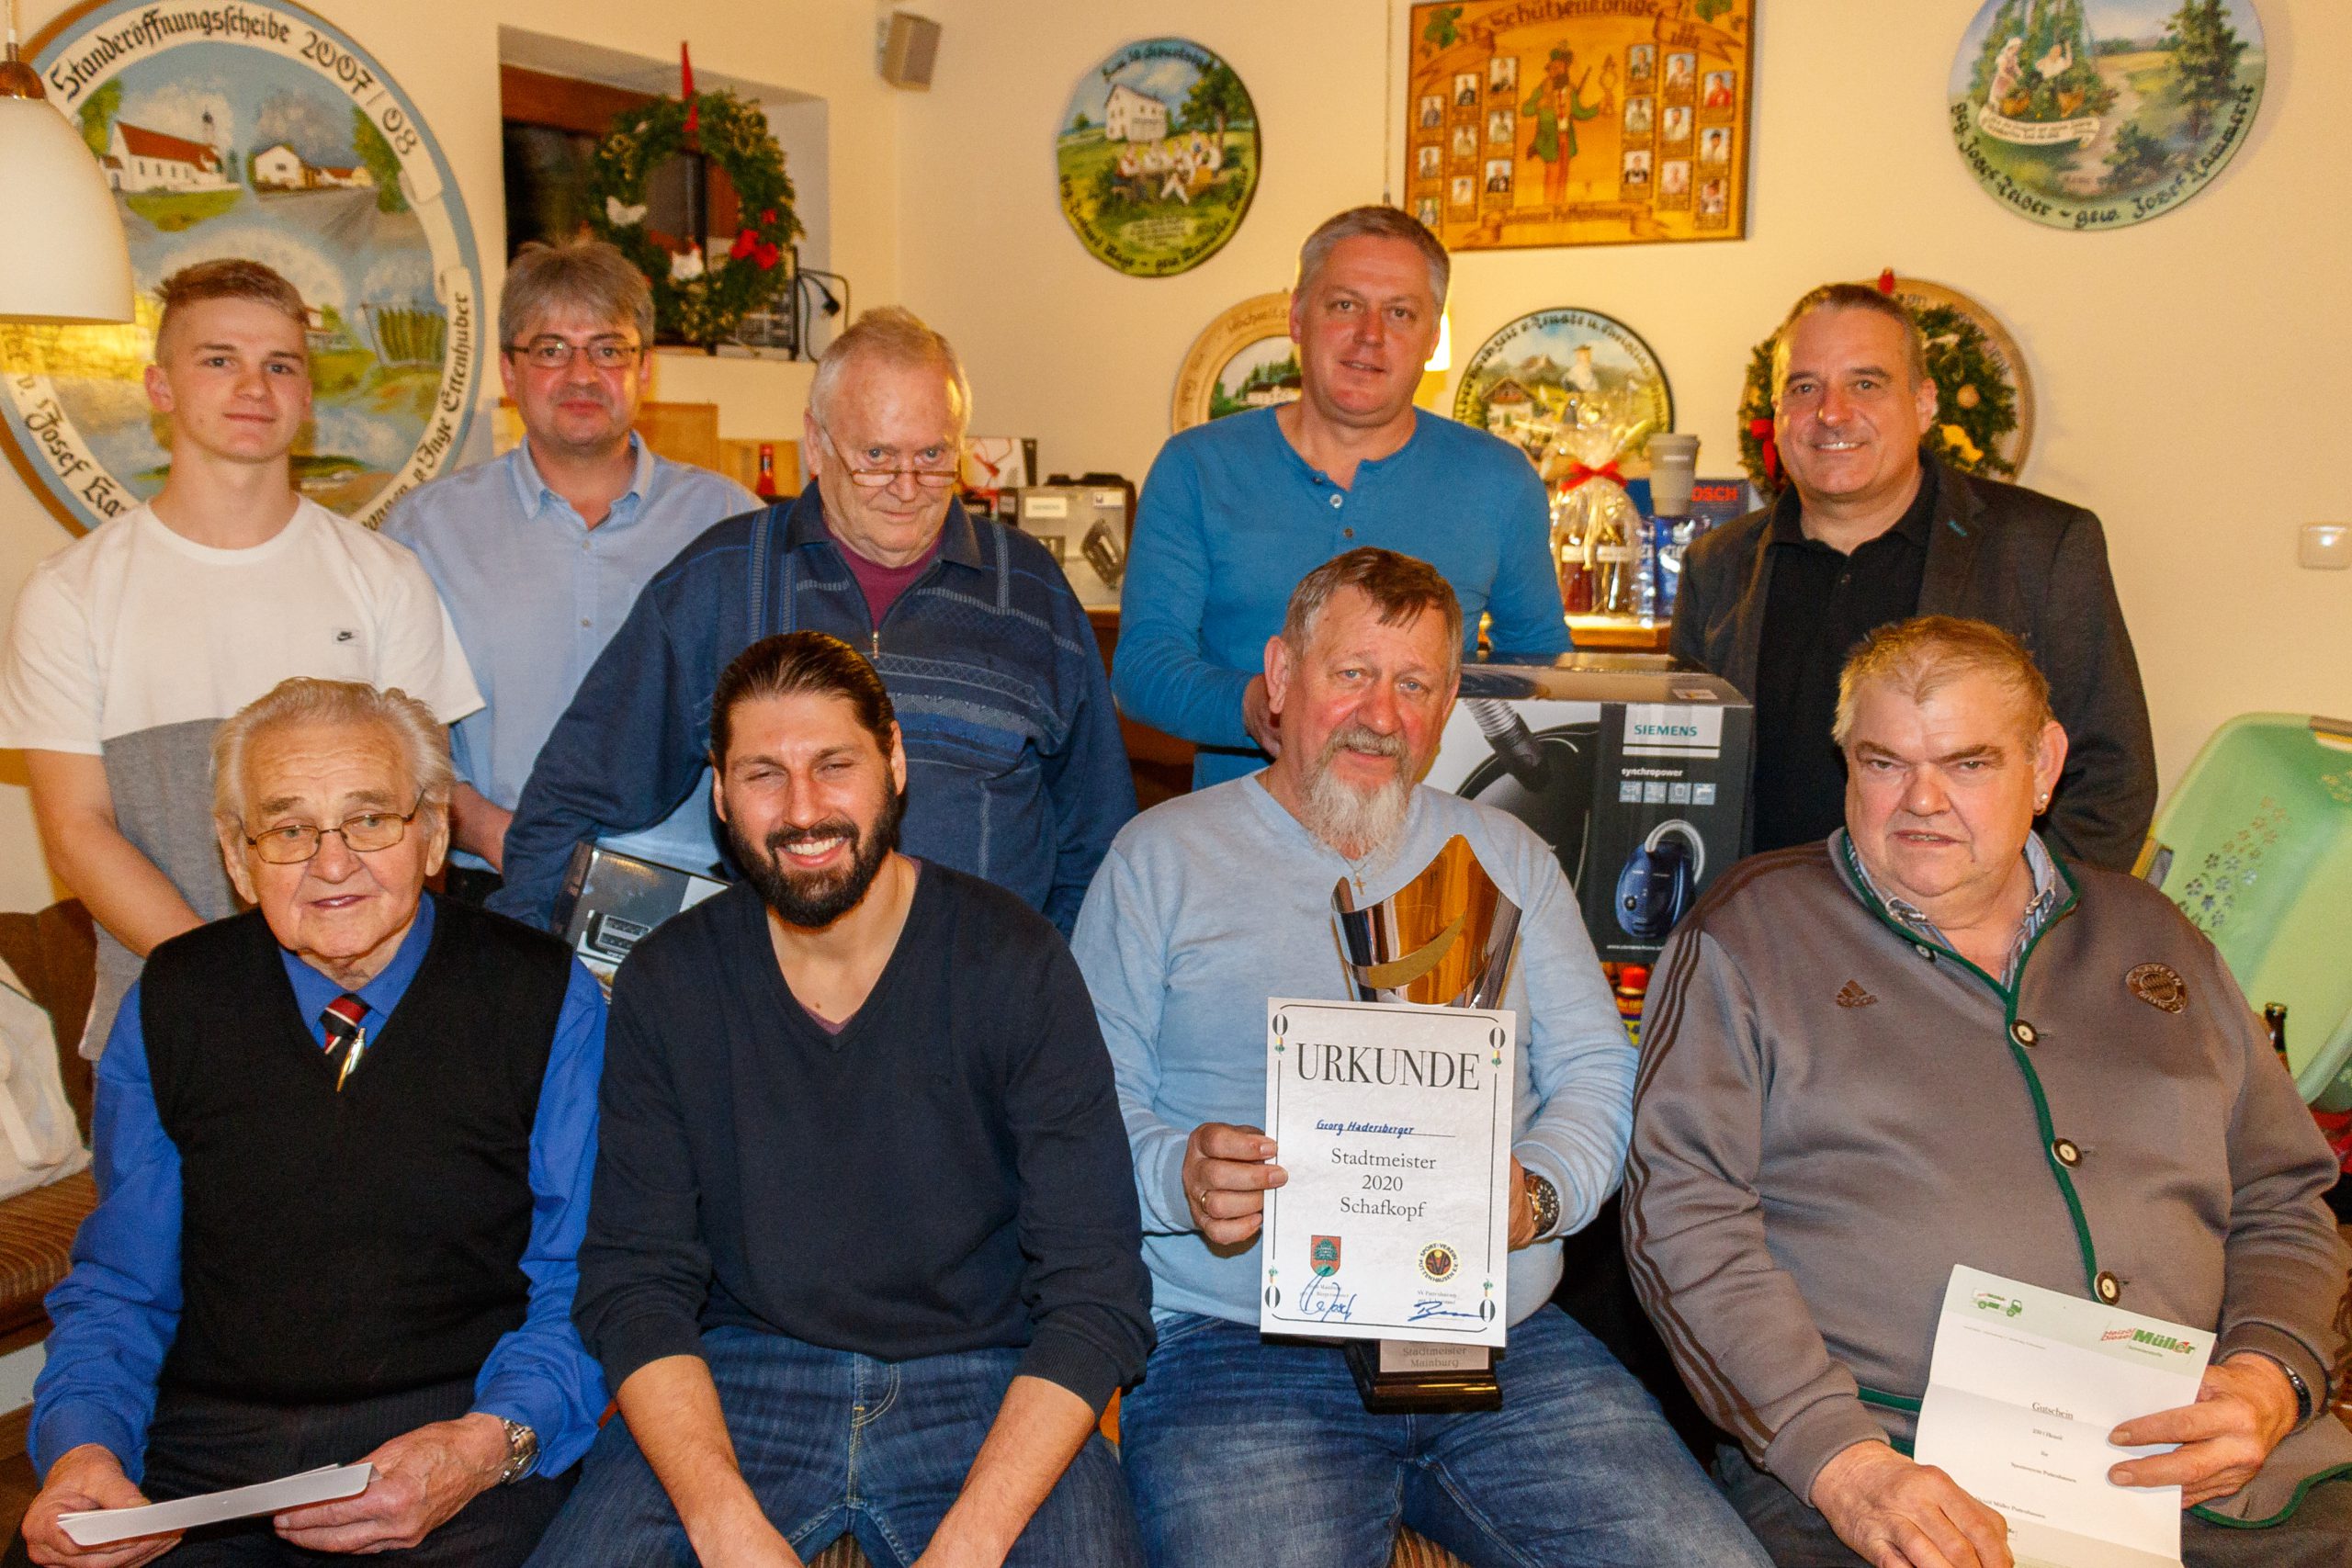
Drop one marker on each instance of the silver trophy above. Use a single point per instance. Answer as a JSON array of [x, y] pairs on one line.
[[1444, 938]]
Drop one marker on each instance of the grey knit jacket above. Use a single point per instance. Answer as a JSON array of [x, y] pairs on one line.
[[1831, 1112]]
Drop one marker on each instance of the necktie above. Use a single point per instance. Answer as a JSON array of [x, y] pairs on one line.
[[346, 1037]]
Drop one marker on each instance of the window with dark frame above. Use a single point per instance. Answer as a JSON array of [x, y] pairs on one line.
[[551, 127]]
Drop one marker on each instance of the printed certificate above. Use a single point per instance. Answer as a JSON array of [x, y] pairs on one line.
[[1394, 1121], [2024, 1388]]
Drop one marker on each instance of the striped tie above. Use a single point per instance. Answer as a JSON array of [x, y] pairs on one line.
[[340, 1017]]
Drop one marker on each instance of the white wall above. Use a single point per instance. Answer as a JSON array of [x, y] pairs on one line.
[[2192, 373], [446, 56]]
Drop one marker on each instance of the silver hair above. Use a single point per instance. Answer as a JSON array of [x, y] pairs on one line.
[[1377, 222], [896, 336], [423, 740], [589, 275]]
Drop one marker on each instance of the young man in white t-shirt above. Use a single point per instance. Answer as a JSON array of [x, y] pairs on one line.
[[131, 645]]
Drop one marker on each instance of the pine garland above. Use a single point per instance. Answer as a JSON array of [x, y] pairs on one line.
[[693, 301], [1976, 403]]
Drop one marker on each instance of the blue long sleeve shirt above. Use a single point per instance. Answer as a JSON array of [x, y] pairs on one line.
[[1232, 517], [1016, 772], [1216, 900], [118, 1311]]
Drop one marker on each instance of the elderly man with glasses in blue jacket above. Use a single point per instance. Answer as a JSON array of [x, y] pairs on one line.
[[1016, 772]]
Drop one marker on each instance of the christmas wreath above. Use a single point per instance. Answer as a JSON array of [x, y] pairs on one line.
[[697, 298], [1976, 403]]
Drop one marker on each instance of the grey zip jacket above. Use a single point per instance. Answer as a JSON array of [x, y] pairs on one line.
[[1833, 1109]]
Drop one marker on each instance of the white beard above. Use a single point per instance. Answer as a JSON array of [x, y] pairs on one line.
[[1356, 823]]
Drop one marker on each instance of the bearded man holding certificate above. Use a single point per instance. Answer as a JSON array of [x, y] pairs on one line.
[[1243, 1449]]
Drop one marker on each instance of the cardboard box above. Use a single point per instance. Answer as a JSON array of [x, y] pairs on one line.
[[611, 900], [1634, 771]]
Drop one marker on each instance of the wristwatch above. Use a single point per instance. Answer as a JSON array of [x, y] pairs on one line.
[[1548, 1204], [522, 1451]]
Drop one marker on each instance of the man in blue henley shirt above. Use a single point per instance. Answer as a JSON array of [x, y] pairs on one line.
[[1236, 511]]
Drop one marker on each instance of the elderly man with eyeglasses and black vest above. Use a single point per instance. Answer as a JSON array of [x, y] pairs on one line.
[[1016, 770], [344, 1149]]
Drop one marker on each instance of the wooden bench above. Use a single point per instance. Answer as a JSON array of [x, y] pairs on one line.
[[54, 953]]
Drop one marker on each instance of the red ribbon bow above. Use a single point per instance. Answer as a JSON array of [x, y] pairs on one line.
[[1761, 429], [1578, 473]]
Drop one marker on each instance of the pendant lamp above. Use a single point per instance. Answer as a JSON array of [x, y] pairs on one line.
[[63, 256]]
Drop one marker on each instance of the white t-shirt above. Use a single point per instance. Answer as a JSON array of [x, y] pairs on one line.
[[133, 643], [132, 627]]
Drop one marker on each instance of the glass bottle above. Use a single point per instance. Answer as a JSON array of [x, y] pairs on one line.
[[1567, 551]]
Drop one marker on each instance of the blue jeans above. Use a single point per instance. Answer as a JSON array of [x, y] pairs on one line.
[[1245, 1452], [835, 1443]]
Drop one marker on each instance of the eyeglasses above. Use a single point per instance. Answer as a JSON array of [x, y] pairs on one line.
[[364, 832], [555, 353], [875, 479]]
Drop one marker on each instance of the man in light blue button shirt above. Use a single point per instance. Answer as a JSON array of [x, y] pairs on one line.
[[540, 554]]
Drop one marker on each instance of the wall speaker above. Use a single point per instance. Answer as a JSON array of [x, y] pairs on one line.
[[910, 47]]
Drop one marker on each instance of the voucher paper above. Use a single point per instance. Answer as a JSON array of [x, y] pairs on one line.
[[1394, 1123], [2025, 1386]]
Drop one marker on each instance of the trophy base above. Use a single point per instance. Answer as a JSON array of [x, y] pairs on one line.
[[1397, 1377]]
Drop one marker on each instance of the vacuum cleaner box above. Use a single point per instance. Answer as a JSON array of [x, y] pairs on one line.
[[1635, 771], [610, 900]]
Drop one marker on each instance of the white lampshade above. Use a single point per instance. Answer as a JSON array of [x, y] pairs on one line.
[[63, 256], [1441, 356]]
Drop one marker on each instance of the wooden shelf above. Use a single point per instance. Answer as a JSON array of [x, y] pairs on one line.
[[1619, 633]]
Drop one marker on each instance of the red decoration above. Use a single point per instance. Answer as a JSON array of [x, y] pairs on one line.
[[686, 88], [1578, 473], [746, 242], [1887, 282], [1762, 430]]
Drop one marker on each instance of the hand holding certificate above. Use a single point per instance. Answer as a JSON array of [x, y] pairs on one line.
[[1394, 1113], [1395, 1125]]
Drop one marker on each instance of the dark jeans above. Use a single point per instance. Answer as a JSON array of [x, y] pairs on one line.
[[202, 1443], [2319, 1535], [834, 1443], [1247, 1452]]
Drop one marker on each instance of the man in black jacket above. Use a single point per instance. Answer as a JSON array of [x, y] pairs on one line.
[[863, 1255], [1871, 530]]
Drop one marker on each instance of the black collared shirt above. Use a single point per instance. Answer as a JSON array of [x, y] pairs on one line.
[[1820, 604]]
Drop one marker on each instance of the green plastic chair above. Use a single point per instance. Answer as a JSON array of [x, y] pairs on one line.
[[2256, 847]]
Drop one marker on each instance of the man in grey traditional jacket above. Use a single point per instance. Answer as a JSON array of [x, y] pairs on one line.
[[1926, 1042]]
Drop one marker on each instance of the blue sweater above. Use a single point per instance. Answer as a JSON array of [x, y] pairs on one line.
[[1015, 769], [944, 1174], [1232, 517]]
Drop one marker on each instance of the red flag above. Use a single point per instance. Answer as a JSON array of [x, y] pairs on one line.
[[686, 86]]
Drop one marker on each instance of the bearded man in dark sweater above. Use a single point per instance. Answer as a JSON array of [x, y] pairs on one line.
[[864, 1257], [344, 1142]]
